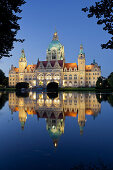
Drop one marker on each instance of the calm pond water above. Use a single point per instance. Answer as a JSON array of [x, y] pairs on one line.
[[55, 131]]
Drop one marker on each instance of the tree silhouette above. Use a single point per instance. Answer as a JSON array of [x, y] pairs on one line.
[[3, 79], [103, 10], [9, 9]]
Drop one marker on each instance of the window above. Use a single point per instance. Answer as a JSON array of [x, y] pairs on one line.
[[65, 77], [75, 69], [75, 76], [54, 54], [70, 77], [41, 77], [75, 82], [70, 83], [56, 76], [48, 77]]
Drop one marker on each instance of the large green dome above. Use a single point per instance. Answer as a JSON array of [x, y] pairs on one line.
[[55, 43]]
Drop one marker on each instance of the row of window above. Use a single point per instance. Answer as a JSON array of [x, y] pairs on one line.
[[70, 77], [92, 77], [92, 73]]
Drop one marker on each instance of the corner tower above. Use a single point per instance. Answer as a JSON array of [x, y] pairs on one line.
[[81, 66], [55, 50], [22, 62]]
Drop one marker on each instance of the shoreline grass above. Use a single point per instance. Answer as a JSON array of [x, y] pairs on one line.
[[66, 89], [84, 89]]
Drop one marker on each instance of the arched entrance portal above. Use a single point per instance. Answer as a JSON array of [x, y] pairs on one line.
[[52, 86]]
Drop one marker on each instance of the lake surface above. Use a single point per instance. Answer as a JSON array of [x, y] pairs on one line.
[[55, 131]]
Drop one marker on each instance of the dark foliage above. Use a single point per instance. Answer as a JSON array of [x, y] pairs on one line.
[[21, 85], [103, 10], [53, 87], [99, 83], [9, 26], [104, 83], [3, 79], [110, 80]]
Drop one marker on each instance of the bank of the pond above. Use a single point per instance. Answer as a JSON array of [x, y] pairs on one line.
[[8, 89], [84, 89], [63, 89], [76, 89]]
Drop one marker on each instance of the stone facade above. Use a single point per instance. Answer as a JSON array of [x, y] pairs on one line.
[[55, 69]]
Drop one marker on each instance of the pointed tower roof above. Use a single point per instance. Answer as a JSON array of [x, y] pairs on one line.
[[81, 49], [22, 57], [22, 54]]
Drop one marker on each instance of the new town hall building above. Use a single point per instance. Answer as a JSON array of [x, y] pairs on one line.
[[55, 69]]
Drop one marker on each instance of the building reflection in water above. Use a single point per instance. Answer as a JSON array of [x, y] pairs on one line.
[[54, 110]]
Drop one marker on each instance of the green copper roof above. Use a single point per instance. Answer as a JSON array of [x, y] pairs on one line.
[[81, 49], [22, 54], [55, 43]]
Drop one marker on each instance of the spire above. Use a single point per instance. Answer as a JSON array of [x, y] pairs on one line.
[[55, 36], [94, 62], [81, 49], [22, 54]]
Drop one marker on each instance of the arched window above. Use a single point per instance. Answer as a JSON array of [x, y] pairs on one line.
[[75, 77], [40, 76], [70, 77], [56, 76], [65, 77], [48, 77], [75, 82], [70, 83], [70, 69], [75, 69], [54, 54]]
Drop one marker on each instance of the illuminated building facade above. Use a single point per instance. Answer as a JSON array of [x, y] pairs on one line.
[[55, 69]]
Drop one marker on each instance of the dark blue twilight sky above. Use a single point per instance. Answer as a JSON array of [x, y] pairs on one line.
[[39, 19]]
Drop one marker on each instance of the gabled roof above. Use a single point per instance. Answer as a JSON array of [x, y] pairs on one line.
[[51, 62], [70, 65]]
